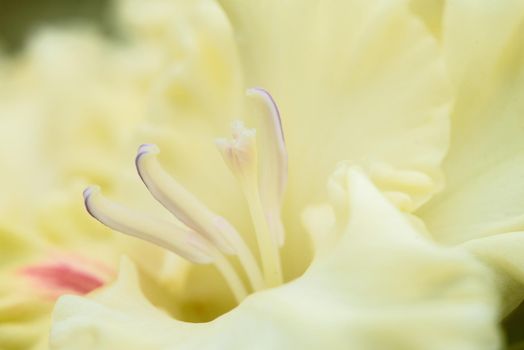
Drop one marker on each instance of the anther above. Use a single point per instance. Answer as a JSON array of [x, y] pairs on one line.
[[182, 241]]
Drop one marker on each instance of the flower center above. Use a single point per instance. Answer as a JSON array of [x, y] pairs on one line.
[[200, 235]]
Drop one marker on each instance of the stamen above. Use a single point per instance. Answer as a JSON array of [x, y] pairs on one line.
[[188, 209], [276, 143], [180, 202], [182, 241], [200, 235], [274, 159], [240, 154]]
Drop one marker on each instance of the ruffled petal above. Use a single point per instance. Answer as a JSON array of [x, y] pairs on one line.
[[483, 195], [430, 11], [68, 87], [503, 253], [22, 318], [195, 92], [24, 321], [359, 80], [482, 206], [363, 81], [382, 286]]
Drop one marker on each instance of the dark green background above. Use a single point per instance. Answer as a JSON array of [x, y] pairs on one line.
[[18, 18]]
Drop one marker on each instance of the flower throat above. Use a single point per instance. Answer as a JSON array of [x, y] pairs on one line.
[[200, 235]]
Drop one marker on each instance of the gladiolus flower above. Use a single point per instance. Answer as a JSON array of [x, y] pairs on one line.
[[375, 281], [360, 99]]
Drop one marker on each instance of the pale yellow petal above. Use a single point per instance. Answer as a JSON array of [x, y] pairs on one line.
[[430, 11], [194, 94], [483, 203], [319, 221], [382, 287], [68, 87], [484, 168], [24, 319], [355, 80], [503, 253]]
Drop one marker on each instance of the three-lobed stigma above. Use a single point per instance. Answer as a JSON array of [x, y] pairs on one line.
[[197, 233]]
